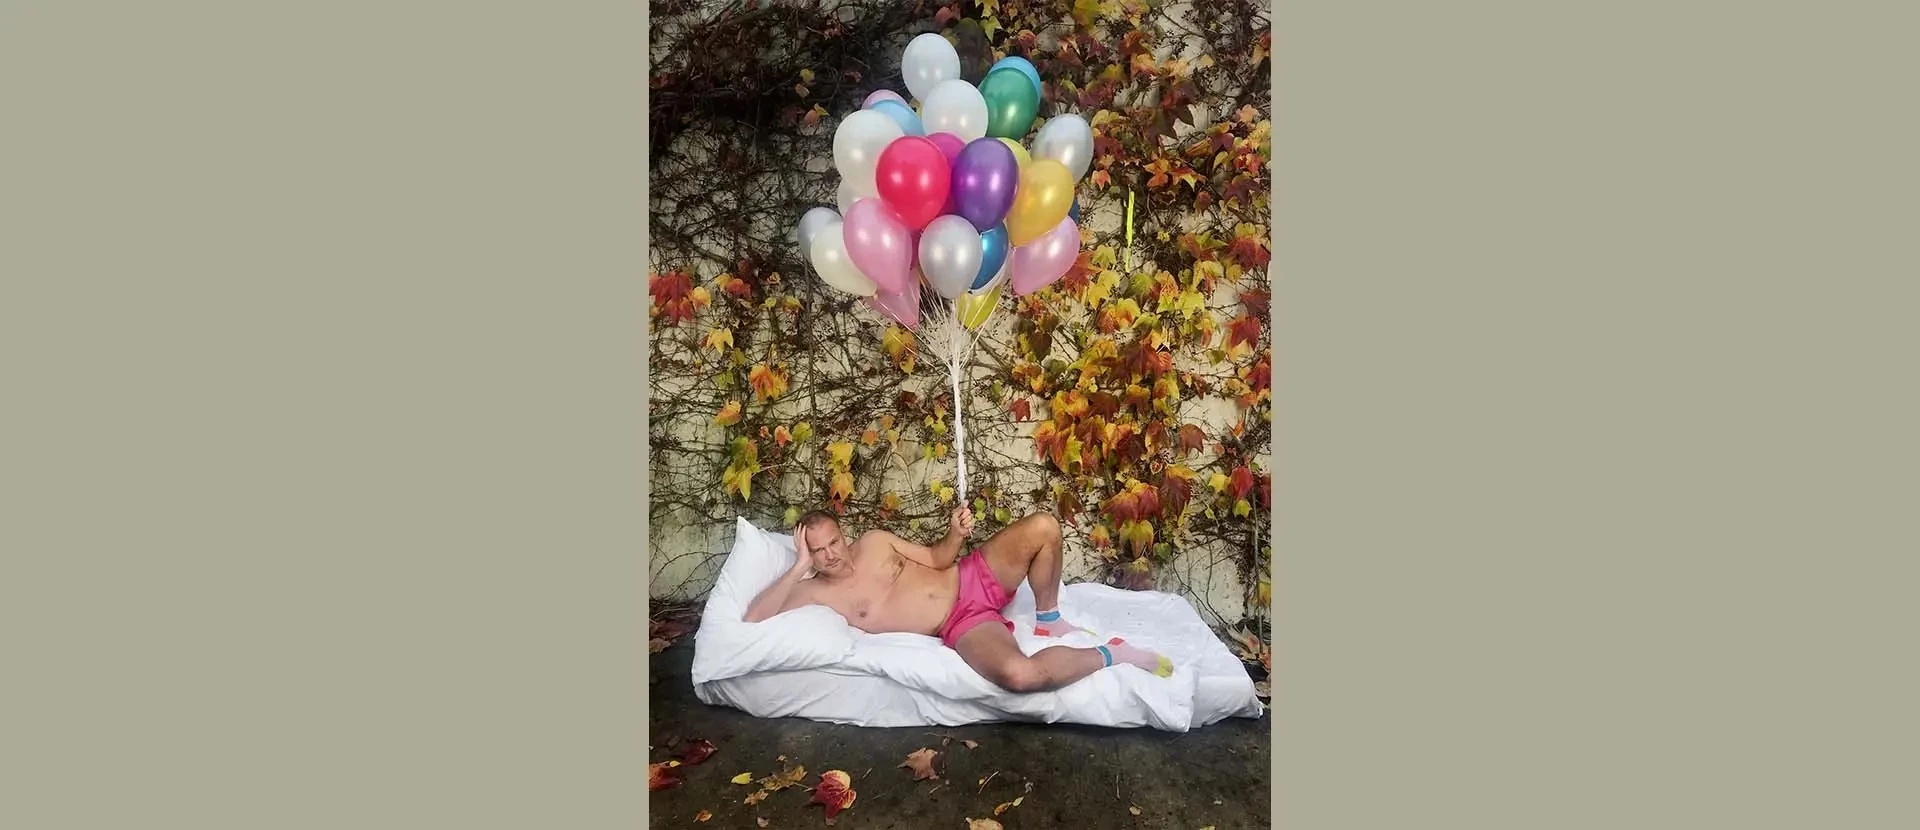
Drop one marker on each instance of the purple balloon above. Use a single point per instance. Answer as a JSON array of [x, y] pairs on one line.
[[879, 244], [902, 307], [879, 95], [985, 177], [1037, 264]]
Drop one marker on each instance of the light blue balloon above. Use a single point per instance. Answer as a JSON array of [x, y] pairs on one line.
[[1025, 67], [901, 114], [993, 249]]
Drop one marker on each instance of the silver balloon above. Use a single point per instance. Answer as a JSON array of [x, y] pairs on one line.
[[811, 223], [828, 254], [929, 59], [955, 107], [857, 144], [1066, 139], [950, 255]]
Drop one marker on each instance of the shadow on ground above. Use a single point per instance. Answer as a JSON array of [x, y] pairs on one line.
[[1081, 776]]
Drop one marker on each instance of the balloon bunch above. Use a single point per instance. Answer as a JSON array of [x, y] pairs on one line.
[[946, 196]]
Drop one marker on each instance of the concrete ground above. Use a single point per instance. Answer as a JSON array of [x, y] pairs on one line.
[[1067, 776]]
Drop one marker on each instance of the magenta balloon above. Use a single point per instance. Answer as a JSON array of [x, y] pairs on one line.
[[879, 244], [1037, 264], [949, 144], [879, 95], [902, 307]]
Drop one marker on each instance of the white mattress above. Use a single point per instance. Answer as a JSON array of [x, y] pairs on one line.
[[914, 680]]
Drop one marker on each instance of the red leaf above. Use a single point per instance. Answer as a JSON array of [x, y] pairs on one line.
[[1240, 482], [1122, 509], [1175, 492], [1192, 439], [696, 751], [660, 776], [1243, 330], [835, 792], [1022, 409], [1068, 506], [1149, 502], [1256, 302]]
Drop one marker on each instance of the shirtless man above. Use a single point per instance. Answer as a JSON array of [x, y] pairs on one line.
[[883, 583]]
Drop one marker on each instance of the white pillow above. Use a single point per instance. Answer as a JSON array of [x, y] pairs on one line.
[[727, 646]]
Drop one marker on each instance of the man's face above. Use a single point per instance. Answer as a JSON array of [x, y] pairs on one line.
[[828, 547]]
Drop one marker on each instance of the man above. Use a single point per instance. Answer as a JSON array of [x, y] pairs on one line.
[[883, 583]]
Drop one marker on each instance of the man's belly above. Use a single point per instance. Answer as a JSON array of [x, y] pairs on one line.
[[919, 602]]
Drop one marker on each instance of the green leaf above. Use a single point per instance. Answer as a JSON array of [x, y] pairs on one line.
[[1002, 515]]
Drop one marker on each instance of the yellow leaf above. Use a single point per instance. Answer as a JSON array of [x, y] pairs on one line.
[[701, 297], [728, 415], [842, 486], [840, 454], [767, 382], [989, 25], [718, 340], [802, 431], [946, 494], [890, 502], [806, 76], [1218, 482], [743, 778]]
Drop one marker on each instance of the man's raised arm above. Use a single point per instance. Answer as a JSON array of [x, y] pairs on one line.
[[774, 599]]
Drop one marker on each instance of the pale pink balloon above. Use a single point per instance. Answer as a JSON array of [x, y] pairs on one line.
[[879, 95], [902, 307], [879, 244], [1037, 264]]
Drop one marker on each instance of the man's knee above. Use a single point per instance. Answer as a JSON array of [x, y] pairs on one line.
[[1019, 676], [1042, 524]]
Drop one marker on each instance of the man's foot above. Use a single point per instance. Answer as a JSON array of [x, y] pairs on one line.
[[1049, 624], [1118, 651]]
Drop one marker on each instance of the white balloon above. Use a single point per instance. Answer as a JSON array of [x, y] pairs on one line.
[[847, 195], [857, 144], [955, 106], [929, 59], [1066, 139], [830, 260], [950, 255], [811, 223]]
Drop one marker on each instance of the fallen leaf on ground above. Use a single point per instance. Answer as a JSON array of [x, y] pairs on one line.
[[661, 776], [756, 797], [835, 792], [984, 824], [703, 816], [760, 821], [1008, 806], [697, 750], [1134, 810], [921, 762], [743, 778], [970, 744], [784, 778], [657, 645]]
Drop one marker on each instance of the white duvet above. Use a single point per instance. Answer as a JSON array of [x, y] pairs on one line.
[[810, 663]]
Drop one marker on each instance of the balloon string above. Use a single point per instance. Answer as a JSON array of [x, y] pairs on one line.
[[1129, 248]]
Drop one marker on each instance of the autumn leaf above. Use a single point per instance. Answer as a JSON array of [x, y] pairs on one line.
[[841, 487], [1241, 481], [662, 775], [835, 792], [760, 822], [814, 115], [1022, 409], [1008, 805], [1133, 809], [657, 645], [921, 762], [802, 431], [840, 455], [702, 816], [697, 751], [984, 824], [738, 477], [768, 383], [1244, 329], [728, 415], [742, 778], [718, 340], [1100, 537], [1192, 439]]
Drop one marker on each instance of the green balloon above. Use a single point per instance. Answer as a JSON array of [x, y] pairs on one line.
[[1011, 102]]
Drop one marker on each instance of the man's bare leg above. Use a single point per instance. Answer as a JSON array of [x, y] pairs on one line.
[[1029, 549], [991, 650]]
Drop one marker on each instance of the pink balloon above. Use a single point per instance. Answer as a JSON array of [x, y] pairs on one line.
[[1037, 264], [949, 144], [879, 244], [913, 177], [902, 307], [879, 95]]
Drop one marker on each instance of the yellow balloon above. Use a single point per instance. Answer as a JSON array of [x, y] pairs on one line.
[[976, 308], [1044, 197], [1020, 153]]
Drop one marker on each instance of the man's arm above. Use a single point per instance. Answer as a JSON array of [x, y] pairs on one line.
[[944, 552], [787, 592]]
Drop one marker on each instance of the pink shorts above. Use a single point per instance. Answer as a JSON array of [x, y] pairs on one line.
[[981, 598]]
